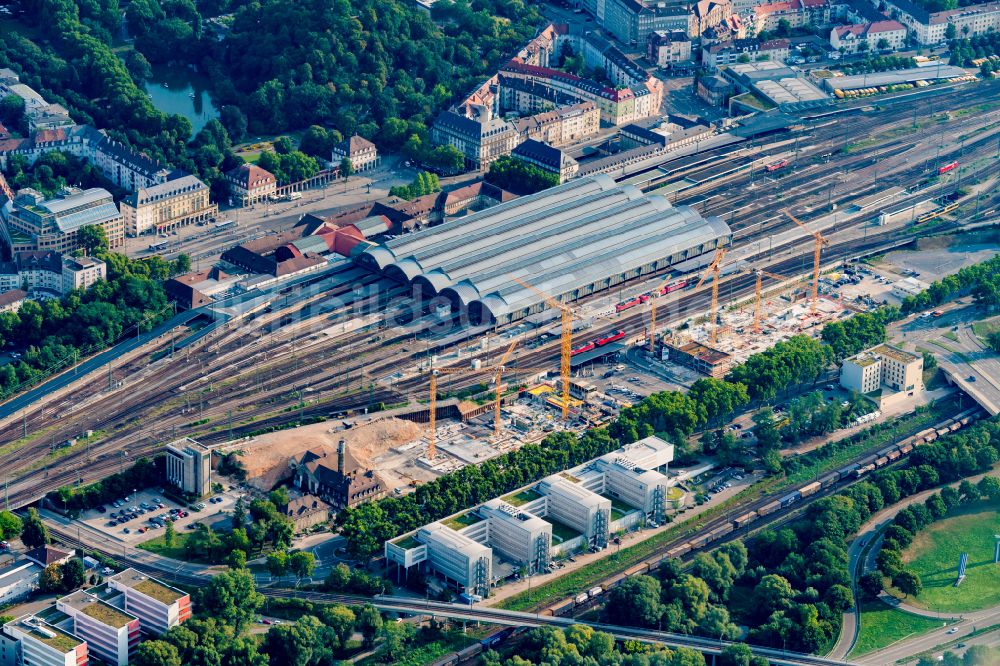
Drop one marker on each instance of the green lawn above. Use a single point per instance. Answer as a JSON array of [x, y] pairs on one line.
[[881, 626], [462, 521], [156, 545], [934, 554], [522, 498], [984, 328], [561, 531]]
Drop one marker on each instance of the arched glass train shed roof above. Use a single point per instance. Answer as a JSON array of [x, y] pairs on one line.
[[569, 241]]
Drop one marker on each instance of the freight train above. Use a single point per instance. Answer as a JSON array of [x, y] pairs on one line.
[[600, 342], [643, 298], [856, 470], [474, 650]]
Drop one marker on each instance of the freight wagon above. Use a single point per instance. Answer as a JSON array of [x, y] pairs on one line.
[[790, 498], [812, 488], [720, 532], [770, 507], [677, 551], [829, 479], [745, 519]]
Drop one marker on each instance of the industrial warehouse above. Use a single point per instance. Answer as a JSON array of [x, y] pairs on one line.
[[562, 514], [570, 241]]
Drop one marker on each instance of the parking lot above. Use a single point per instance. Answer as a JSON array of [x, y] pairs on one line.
[[141, 516]]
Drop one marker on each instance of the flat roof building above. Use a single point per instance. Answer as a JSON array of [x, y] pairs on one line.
[[695, 355], [111, 633], [880, 366], [189, 466], [31, 640], [521, 537], [157, 605], [876, 79], [461, 560], [573, 505]]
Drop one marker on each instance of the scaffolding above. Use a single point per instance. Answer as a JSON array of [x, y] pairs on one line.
[[601, 527], [542, 547], [659, 504]]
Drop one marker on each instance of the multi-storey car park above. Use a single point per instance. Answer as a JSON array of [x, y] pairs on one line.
[[570, 241]]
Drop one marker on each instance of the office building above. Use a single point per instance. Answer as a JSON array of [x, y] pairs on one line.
[[481, 142], [461, 560], [37, 223], [30, 641], [111, 633], [578, 508], [519, 536], [157, 605], [882, 366], [167, 206], [189, 466], [18, 578], [81, 272]]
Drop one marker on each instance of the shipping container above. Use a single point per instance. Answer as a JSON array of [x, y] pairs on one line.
[[806, 491], [640, 568], [745, 519], [677, 551], [790, 498], [595, 592], [770, 507], [720, 532], [699, 541], [581, 598]]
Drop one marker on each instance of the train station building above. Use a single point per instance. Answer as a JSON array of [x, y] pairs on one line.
[[570, 241]]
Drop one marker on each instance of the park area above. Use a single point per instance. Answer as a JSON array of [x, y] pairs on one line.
[[882, 625], [934, 556]]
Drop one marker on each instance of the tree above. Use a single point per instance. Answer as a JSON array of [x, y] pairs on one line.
[[871, 584], [883, 44], [51, 579], [738, 654], [302, 563], [369, 623], [10, 525], [907, 582], [994, 341], [773, 593], [169, 533], [341, 620], [395, 636], [520, 177], [156, 653], [182, 264], [34, 533], [237, 559], [636, 601], [346, 168], [232, 597], [277, 563], [92, 239], [73, 575]]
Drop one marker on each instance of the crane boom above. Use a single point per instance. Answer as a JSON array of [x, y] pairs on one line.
[[820, 242], [566, 342], [713, 270]]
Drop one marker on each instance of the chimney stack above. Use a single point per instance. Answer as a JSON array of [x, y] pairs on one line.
[[340, 457]]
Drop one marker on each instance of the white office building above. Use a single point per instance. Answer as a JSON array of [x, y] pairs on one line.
[[157, 605], [458, 558], [640, 488], [573, 505], [519, 536], [189, 466]]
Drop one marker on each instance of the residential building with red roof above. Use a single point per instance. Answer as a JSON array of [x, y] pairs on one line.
[[850, 38], [249, 183]]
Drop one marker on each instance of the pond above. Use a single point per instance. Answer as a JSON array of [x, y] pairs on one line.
[[178, 89]]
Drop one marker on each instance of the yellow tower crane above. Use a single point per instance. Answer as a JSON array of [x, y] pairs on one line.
[[760, 273], [713, 270], [566, 341], [820, 242], [497, 371]]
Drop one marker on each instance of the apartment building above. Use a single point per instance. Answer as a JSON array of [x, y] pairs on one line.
[[797, 13], [111, 633], [722, 54], [52, 224], [30, 641], [931, 27], [850, 38], [189, 466], [157, 605], [81, 272], [631, 21], [248, 184], [167, 206], [668, 47], [31, 270], [882, 366], [40, 114]]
